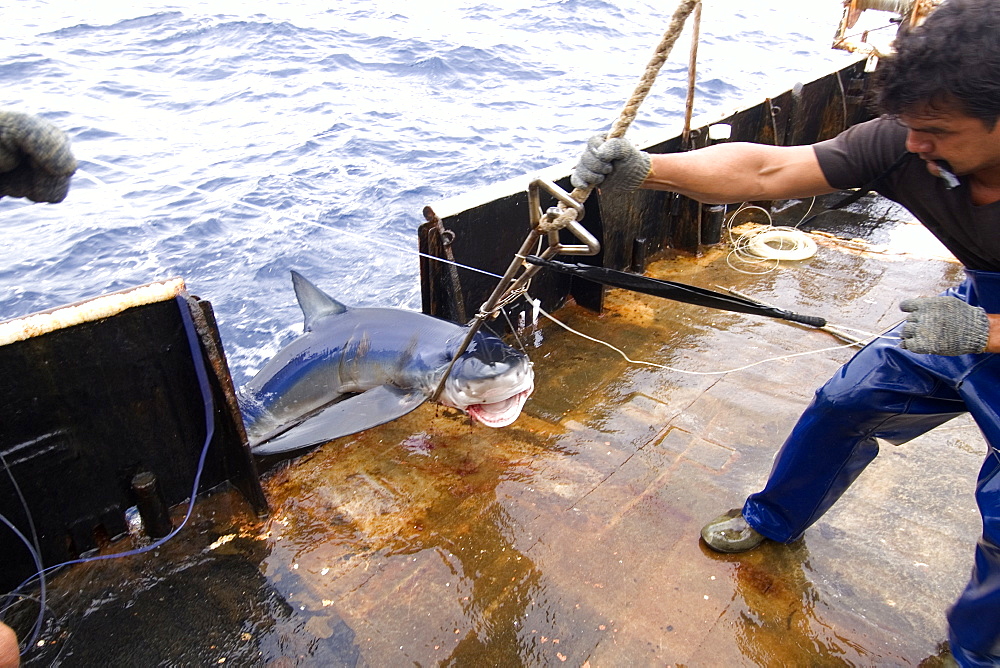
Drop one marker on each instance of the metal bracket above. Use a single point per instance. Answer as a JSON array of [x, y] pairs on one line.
[[511, 284], [590, 245]]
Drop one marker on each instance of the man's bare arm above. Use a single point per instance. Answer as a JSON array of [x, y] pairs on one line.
[[739, 172]]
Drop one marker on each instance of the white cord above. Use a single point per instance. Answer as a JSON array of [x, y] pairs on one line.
[[535, 304]]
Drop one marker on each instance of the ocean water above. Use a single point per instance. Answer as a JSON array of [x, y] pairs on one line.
[[230, 142]]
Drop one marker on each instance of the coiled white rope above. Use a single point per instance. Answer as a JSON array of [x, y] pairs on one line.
[[781, 243], [768, 245]]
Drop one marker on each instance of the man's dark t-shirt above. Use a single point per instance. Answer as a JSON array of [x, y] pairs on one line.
[[863, 152]]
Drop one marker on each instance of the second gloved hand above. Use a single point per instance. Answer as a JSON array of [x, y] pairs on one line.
[[613, 164], [944, 326], [36, 161]]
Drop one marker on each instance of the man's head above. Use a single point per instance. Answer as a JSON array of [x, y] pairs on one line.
[[949, 63], [943, 85]]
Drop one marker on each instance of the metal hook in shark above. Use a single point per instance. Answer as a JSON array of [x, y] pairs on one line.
[[355, 368]]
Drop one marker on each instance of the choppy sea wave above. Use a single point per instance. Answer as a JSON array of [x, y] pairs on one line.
[[336, 123]]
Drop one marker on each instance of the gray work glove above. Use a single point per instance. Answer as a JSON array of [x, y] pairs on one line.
[[944, 326], [35, 158], [614, 164]]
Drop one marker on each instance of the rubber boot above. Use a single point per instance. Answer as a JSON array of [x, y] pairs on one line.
[[729, 532]]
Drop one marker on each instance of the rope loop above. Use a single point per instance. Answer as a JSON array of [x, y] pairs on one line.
[[556, 218]]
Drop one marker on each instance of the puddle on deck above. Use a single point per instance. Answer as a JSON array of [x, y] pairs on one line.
[[572, 537]]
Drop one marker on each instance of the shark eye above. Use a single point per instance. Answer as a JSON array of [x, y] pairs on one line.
[[491, 350]]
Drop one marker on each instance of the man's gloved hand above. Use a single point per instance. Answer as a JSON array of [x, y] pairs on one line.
[[35, 158], [944, 326], [614, 164]]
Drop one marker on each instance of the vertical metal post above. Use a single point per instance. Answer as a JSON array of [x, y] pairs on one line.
[[151, 505]]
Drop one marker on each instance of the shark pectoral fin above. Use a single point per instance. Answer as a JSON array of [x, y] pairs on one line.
[[366, 410]]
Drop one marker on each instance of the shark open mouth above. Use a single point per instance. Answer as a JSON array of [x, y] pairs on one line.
[[499, 413]]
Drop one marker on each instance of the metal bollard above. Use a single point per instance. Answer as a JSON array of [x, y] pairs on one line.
[[712, 219], [638, 255], [151, 504]]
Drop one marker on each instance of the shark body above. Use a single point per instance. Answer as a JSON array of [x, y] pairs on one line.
[[355, 368]]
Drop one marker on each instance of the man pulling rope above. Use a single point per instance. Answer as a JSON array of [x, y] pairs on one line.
[[940, 96]]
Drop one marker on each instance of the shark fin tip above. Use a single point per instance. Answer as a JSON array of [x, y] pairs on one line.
[[314, 303]]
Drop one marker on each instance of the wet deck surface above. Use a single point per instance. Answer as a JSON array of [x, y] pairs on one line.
[[572, 537]]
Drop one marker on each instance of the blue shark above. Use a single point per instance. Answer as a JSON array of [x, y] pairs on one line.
[[354, 368]]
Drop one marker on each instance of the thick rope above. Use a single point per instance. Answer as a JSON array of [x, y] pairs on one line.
[[556, 219], [628, 113], [567, 215]]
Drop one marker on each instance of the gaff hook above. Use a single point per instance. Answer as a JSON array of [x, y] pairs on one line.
[[561, 217], [564, 216]]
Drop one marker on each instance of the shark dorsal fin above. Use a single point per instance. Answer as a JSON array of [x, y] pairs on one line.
[[314, 302]]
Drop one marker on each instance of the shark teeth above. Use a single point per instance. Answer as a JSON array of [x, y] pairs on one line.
[[499, 413]]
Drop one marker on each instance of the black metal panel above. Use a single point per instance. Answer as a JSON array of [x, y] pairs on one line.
[[87, 407], [230, 437], [489, 234]]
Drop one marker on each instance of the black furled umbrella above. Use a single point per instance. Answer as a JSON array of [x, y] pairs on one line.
[[680, 292]]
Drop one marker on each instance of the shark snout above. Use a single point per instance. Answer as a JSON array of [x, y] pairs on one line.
[[488, 383]]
